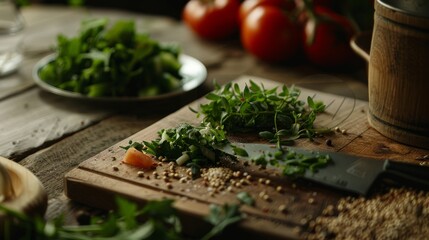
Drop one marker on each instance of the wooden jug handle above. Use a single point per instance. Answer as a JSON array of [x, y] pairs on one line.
[[361, 44]]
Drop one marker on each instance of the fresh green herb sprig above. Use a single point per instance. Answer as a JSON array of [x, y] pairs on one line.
[[279, 116], [221, 217], [115, 61], [292, 163], [160, 221], [193, 146]]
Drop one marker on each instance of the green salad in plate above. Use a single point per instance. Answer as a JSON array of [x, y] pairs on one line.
[[115, 61]]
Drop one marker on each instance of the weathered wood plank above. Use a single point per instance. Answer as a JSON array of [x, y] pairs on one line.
[[34, 118]]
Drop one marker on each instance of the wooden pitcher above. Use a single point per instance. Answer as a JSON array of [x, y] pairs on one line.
[[398, 71]]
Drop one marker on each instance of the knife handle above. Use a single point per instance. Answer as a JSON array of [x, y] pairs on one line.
[[412, 173]]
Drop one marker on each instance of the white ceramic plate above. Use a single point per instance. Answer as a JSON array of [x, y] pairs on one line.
[[193, 71]]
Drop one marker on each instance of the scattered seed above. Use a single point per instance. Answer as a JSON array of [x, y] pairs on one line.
[[266, 197], [303, 221], [425, 157], [140, 174], [328, 142], [115, 168], [344, 131], [311, 200], [398, 214], [282, 208], [337, 129], [297, 230], [279, 189]]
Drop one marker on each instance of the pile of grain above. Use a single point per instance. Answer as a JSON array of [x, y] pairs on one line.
[[398, 214], [217, 177]]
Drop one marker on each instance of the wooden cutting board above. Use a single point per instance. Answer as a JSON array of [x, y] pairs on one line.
[[278, 215]]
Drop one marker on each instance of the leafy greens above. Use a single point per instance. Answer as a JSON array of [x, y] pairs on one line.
[[158, 219], [280, 117], [115, 61]]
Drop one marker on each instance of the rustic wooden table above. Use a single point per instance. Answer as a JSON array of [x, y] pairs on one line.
[[50, 135]]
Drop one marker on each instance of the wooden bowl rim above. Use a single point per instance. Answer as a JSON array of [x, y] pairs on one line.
[[31, 197]]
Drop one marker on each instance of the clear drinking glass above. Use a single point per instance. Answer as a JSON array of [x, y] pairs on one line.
[[11, 33]]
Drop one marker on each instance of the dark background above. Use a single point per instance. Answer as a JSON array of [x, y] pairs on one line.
[[172, 8]]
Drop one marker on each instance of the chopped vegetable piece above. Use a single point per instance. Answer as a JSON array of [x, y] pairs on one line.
[[138, 159]]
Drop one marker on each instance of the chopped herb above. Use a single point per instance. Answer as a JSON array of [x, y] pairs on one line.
[[131, 144], [245, 198], [239, 151], [292, 163], [279, 116], [192, 146], [221, 217]]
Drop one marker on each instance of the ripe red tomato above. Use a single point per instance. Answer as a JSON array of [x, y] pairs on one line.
[[327, 38], [212, 19], [269, 34], [248, 5]]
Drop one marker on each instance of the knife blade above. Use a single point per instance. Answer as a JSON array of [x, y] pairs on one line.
[[347, 172]]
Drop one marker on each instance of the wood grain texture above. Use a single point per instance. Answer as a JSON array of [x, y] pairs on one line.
[[29, 194], [398, 77], [104, 176], [34, 118]]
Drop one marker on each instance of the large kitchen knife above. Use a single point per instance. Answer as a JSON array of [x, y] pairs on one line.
[[347, 172]]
